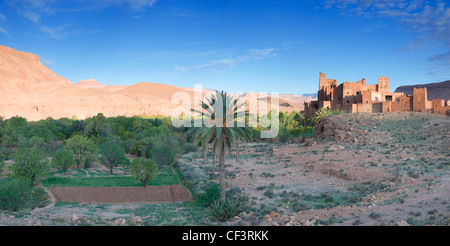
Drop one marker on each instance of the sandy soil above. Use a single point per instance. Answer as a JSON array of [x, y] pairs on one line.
[[407, 153], [150, 194]]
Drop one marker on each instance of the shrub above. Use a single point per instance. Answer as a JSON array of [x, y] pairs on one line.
[[223, 209], [30, 165], [190, 147], [2, 165], [237, 194], [165, 149], [193, 176], [283, 135], [38, 198], [142, 147], [211, 194], [14, 195], [269, 193]]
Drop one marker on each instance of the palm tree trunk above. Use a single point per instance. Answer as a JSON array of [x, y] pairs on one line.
[[205, 156], [222, 172], [237, 151]]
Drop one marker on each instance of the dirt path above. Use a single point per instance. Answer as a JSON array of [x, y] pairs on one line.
[[52, 198]]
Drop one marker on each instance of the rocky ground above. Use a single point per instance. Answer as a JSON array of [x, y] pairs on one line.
[[359, 169]]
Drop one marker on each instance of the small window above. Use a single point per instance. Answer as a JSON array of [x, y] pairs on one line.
[[348, 101], [367, 101]]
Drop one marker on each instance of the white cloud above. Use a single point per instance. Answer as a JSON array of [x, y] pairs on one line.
[[2, 28], [57, 31], [429, 18], [230, 63], [36, 10], [4, 31]]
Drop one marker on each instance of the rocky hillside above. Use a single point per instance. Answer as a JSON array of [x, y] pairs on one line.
[[434, 90], [31, 90]]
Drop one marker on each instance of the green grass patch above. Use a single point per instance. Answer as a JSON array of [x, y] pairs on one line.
[[165, 177]]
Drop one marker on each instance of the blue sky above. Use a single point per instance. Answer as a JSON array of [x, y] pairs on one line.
[[237, 46]]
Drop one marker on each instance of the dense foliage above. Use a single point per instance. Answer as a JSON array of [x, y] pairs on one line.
[[69, 143]]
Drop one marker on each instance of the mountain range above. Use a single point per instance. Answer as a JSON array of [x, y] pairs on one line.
[[31, 90]]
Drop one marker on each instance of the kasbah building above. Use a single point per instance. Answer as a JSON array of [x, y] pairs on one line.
[[358, 97]]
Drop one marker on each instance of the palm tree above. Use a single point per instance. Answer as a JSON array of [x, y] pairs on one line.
[[320, 114], [221, 134], [192, 133]]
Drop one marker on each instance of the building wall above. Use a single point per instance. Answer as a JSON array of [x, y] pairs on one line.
[[386, 107], [420, 99], [383, 84], [439, 107], [402, 103]]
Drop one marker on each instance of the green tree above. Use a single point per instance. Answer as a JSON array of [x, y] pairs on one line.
[[3, 155], [144, 170], [112, 156], [165, 149], [140, 124], [83, 150], [222, 135], [63, 160], [13, 131], [97, 126], [30, 165], [41, 132], [37, 142], [142, 147]]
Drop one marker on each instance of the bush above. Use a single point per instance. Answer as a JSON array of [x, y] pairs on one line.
[[193, 176], [223, 209], [283, 135], [38, 198], [142, 147], [165, 149], [14, 195], [237, 194], [190, 147], [211, 194], [2, 165], [30, 165]]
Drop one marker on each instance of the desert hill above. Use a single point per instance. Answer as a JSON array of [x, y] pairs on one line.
[[90, 84], [434, 90], [94, 84], [114, 88], [31, 90]]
